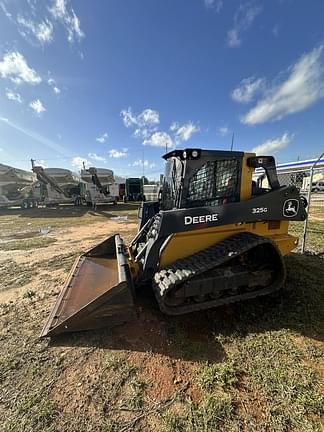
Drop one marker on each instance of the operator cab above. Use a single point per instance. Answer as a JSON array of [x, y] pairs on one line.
[[199, 178], [204, 178]]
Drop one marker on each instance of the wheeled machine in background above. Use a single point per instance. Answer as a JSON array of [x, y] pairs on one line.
[[99, 184], [134, 190]]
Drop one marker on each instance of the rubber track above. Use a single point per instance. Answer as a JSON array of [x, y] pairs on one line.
[[211, 258]]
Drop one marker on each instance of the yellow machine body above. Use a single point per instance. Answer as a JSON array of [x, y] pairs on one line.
[[184, 244]]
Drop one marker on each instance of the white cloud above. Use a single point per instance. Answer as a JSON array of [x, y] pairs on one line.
[[15, 67], [42, 31], [60, 13], [243, 19], [128, 118], [113, 153], [141, 163], [51, 82], [67, 17], [303, 87], [223, 131], [143, 133], [45, 31], [5, 11], [183, 133], [102, 138], [248, 89], [41, 162], [37, 106], [174, 126], [13, 96], [78, 162], [233, 39], [159, 139], [217, 5], [96, 157], [147, 118], [145, 123], [145, 127], [273, 145]]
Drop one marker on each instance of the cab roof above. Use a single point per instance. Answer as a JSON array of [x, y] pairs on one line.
[[195, 153]]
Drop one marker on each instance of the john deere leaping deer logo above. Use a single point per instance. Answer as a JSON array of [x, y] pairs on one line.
[[290, 207]]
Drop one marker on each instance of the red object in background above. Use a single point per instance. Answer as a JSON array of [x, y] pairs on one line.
[[121, 190]]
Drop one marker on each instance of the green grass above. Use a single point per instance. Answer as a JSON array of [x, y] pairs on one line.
[[15, 275], [61, 217], [314, 238], [208, 416], [214, 375], [270, 362], [36, 412], [27, 244], [62, 261], [217, 407], [275, 368], [264, 377], [179, 340]]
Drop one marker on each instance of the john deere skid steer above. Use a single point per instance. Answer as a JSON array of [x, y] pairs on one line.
[[213, 238]]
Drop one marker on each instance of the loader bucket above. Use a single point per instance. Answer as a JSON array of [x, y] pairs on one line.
[[98, 292]]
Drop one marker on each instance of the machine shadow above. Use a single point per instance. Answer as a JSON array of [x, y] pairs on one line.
[[197, 336], [187, 337]]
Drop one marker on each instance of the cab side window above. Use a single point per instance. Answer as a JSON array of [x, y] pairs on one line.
[[214, 183]]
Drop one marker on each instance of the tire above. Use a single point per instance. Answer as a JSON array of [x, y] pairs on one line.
[[24, 205]]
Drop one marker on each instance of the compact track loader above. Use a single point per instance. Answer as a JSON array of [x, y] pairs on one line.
[[213, 238]]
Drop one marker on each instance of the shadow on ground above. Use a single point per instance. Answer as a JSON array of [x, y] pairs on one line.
[[300, 307], [187, 337]]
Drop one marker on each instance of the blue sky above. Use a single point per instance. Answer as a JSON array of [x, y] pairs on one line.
[[112, 83]]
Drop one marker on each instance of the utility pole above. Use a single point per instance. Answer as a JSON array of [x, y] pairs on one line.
[[232, 144]]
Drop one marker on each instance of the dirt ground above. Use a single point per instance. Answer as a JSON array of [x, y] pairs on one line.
[[255, 366]]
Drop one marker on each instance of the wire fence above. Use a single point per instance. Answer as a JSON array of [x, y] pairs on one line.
[[310, 183]]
